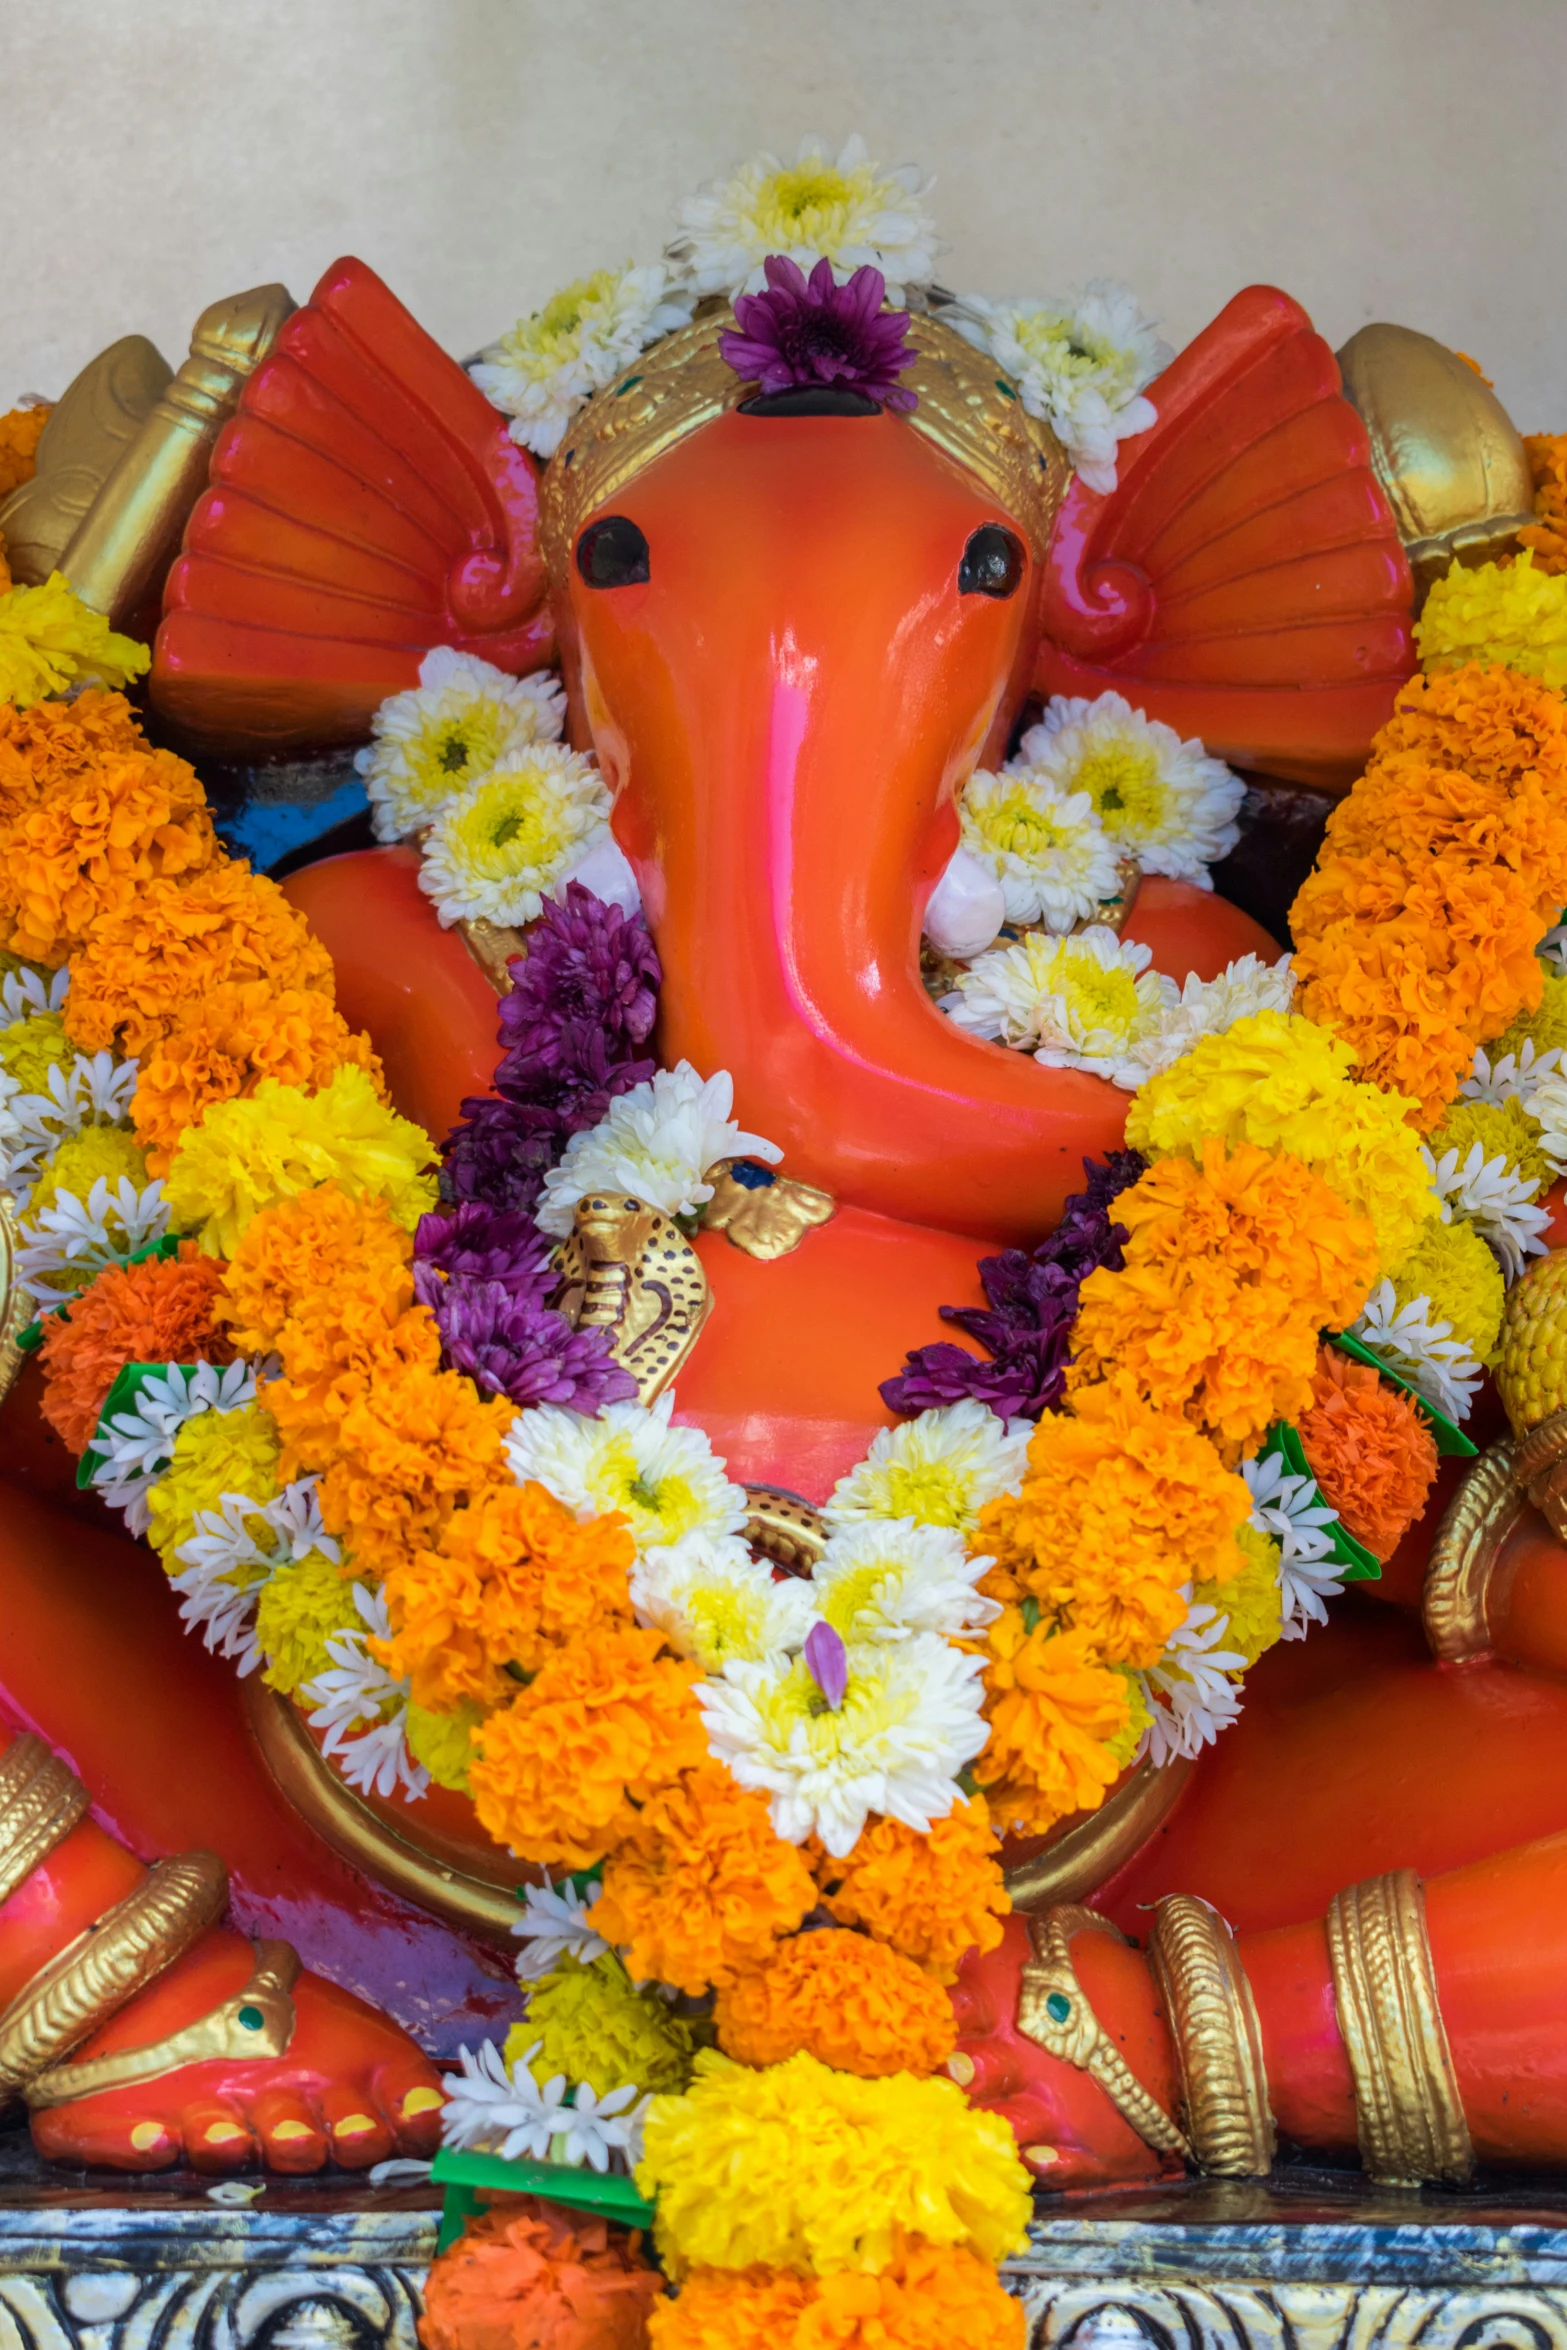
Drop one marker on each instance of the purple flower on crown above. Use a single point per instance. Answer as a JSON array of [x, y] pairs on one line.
[[812, 331]]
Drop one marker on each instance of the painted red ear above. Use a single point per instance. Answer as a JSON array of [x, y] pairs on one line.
[[364, 504], [1244, 581]]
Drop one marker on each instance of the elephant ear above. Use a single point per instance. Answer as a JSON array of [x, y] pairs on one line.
[[364, 504], [1244, 581]]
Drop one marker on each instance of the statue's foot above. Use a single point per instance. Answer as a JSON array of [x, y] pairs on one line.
[[349, 2087]]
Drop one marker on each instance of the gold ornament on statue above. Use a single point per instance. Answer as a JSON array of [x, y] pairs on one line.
[[630, 1271], [94, 422]]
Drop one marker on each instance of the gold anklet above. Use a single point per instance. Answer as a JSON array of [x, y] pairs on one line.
[[257, 2021], [1407, 2107], [97, 1973], [1224, 2081], [41, 1801], [1053, 2012]]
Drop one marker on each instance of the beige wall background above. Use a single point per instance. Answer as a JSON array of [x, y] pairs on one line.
[[1394, 159]]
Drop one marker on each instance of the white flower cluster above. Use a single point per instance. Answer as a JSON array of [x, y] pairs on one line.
[[133, 1447], [659, 1143], [1291, 1509], [503, 2110], [364, 1709], [1420, 1349], [1495, 1200], [73, 1236], [1080, 364]]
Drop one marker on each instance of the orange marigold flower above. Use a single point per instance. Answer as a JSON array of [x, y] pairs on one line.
[[21, 430], [932, 1896], [1492, 723], [1370, 1449], [92, 844], [418, 1443], [1122, 1504], [53, 744], [317, 1243], [1232, 1268], [858, 2005], [1057, 1721], [528, 2275], [703, 1886], [607, 1722], [512, 1577], [928, 2297], [160, 1311], [335, 1351], [1547, 537], [148, 961], [227, 1042]]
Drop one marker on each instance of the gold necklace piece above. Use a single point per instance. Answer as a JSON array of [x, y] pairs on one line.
[[1407, 2107], [1224, 2080], [1053, 2012]]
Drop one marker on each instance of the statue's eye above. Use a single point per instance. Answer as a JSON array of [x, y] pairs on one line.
[[992, 563], [613, 553]]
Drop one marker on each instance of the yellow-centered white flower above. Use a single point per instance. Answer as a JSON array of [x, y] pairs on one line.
[[1162, 801], [893, 1578], [1081, 364], [666, 1480], [713, 1601], [540, 373], [843, 209], [507, 842], [656, 1143], [939, 1469], [1045, 845], [457, 723], [1088, 1002]]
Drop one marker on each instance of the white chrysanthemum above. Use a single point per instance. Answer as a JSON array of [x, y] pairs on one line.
[[909, 1721], [1488, 1195], [939, 1469], [1046, 847], [1552, 949], [1421, 1349], [891, 1579], [846, 210], [1088, 1002], [1290, 1508], [1161, 800], [657, 1143], [459, 721], [1211, 1007], [667, 1480], [1547, 1105], [1189, 1691], [26, 992], [364, 1710], [1079, 364], [553, 1926], [496, 851], [712, 1601], [297, 1525], [219, 1600], [139, 1442], [541, 372], [1515, 1077], [72, 1234]]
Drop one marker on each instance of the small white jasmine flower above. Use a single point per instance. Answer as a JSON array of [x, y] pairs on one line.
[[1211, 1007], [939, 1469], [295, 1519], [1552, 949], [1161, 800], [592, 2128], [892, 1578], [1045, 845], [1088, 1002], [1291, 1508], [1420, 1348], [843, 209], [656, 1143], [1497, 1202], [459, 721], [712, 1601], [94, 1090], [139, 1442], [355, 1691], [1189, 1690], [1547, 1105], [502, 2112], [667, 1480], [1080, 364], [1514, 1077], [541, 371], [554, 1926], [26, 992], [504, 843], [75, 1235], [220, 1582]]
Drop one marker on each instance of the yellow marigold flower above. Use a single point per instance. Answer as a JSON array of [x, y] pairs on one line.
[[1545, 1027], [1232, 1268], [230, 1040], [1054, 1713], [702, 1886], [1503, 1130], [306, 1603], [1251, 1600], [50, 639], [21, 430], [214, 1453], [805, 2168], [443, 1742], [1516, 617], [1285, 1084], [1452, 1267], [30, 1048], [858, 2005], [596, 2027], [321, 1240], [932, 1896], [248, 1154], [91, 844], [927, 2298]]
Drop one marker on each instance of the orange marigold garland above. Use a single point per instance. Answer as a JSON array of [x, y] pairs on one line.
[[51, 745], [320, 1242], [857, 2005], [227, 1042], [416, 1444], [527, 2275], [1059, 1723], [930, 2297], [932, 1896], [1370, 1450], [90, 846], [21, 430], [1547, 536], [163, 1310]]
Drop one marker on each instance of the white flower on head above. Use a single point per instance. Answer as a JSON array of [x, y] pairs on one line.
[[843, 209], [554, 1926], [1047, 848], [1088, 1002], [1547, 1105], [892, 1578], [25, 992], [909, 1721], [712, 1601], [356, 1691], [939, 1469], [666, 1480], [1413, 1343], [1190, 1694], [540, 373], [1161, 800], [1080, 364], [1498, 1203], [1211, 1007], [76, 1235], [457, 723], [1291, 1509], [497, 850], [1514, 1077], [499, 2111], [656, 1143]]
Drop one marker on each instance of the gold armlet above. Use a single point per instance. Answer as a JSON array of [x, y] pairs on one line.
[[1477, 1521], [257, 2021], [1053, 2012], [1224, 2081], [41, 1801], [1410, 2119], [95, 1975]]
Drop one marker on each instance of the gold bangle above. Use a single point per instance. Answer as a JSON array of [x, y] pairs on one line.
[[1408, 2112], [1053, 2011], [41, 1801], [1224, 2080], [97, 1973], [1476, 1523], [257, 2021]]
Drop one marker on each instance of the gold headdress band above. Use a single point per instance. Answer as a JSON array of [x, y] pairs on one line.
[[682, 384]]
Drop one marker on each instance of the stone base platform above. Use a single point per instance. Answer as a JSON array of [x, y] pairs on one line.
[[1314, 2260]]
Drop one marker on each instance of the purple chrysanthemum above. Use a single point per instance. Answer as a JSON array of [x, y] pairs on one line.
[[501, 1153], [1027, 1321], [513, 1346], [812, 331], [587, 965], [481, 1243]]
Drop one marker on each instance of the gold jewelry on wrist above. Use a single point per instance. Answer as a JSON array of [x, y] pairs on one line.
[[257, 2021], [1053, 2012], [41, 1801], [1407, 2107], [1224, 2080]]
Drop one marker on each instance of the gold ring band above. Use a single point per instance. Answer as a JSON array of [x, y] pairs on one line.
[[1224, 2080], [41, 1801], [1407, 2107]]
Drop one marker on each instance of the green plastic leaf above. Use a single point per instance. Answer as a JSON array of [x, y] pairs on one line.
[[128, 1384], [1359, 1564], [1450, 1438], [601, 2192]]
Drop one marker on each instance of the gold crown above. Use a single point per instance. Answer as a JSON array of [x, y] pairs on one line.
[[965, 407]]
